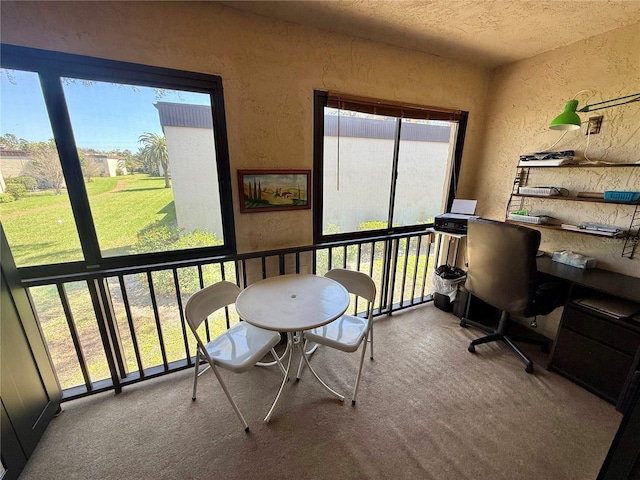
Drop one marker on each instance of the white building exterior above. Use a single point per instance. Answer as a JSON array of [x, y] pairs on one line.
[[421, 187], [357, 169], [15, 163], [188, 130], [108, 164]]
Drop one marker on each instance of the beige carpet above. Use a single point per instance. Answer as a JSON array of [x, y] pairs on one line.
[[427, 409]]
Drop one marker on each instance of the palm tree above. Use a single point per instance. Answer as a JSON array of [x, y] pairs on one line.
[[154, 149]]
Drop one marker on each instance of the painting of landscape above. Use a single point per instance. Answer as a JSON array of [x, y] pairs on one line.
[[270, 190]]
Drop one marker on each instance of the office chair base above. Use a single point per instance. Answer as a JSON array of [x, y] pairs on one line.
[[465, 322], [499, 335]]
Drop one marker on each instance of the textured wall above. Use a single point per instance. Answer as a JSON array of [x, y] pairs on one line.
[[269, 70], [525, 96]]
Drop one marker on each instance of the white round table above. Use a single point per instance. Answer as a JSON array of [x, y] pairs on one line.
[[292, 304]]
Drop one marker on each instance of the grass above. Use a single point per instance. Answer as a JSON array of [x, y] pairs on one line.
[[120, 215], [58, 337], [41, 229]]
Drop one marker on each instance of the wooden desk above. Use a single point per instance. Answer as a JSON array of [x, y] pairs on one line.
[[616, 284], [597, 351]]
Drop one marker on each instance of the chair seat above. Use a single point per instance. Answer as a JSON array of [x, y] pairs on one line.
[[240, 347], [344, 333]]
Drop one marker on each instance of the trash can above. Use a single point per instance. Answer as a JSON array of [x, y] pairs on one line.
[[446, 279]]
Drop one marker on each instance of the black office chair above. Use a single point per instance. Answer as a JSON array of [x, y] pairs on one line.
[[502, 272]]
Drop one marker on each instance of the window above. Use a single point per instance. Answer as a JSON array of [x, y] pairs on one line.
[[381, 167], [107, 164]]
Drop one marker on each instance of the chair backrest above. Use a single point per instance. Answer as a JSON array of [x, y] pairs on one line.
[[358, 283], [502, 264], [208, 300]]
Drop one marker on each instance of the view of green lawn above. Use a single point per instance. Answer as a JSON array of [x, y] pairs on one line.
[[121, 207]]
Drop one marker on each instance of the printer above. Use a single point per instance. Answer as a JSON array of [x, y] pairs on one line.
[[456, 220]]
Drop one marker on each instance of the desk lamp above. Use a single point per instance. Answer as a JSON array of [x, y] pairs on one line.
[[569, 119]]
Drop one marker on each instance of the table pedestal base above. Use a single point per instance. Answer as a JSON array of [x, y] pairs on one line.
[[295, 342]]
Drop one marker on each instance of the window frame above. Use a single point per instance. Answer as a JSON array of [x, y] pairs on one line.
[[324, 99], [51, 67]]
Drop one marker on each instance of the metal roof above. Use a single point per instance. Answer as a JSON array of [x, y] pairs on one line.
[[385, 129], [184, 115], [200, 116]]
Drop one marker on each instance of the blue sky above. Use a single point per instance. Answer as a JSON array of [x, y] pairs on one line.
[[104, 116]]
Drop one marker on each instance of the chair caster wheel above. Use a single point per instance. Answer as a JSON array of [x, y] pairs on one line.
[[463, 324], [528, 368], [471, 348]]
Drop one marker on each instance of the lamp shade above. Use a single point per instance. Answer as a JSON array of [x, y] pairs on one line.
[[568, 119]]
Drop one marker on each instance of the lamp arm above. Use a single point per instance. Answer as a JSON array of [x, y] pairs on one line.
[[587, 108]]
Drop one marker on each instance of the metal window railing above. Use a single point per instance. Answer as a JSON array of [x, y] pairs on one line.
[[108, 329]]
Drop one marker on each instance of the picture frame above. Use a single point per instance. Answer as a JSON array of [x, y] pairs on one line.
[[274, 190]]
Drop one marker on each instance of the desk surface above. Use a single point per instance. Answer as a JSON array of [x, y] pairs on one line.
[[623, 286], [290, 303]]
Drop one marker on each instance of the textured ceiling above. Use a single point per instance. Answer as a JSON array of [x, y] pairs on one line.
[[484, 32]]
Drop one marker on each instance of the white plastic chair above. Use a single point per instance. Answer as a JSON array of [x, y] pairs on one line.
[[347, 332], [237, 349]]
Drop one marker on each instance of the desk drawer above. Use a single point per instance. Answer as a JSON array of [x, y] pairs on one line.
[[601, 330], [597, 367]]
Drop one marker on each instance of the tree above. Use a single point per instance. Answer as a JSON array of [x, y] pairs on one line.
[[154, 150], [146, 165], [45, 166], [90, 168], [129, 163], [11, 142]]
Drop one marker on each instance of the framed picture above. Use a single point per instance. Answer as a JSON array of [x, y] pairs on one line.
[[272, 190]]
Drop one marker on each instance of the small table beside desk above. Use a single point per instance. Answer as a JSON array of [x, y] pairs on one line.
[[292, 304]]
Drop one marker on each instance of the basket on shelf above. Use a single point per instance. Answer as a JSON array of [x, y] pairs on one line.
[[619, 196], [536, 219]]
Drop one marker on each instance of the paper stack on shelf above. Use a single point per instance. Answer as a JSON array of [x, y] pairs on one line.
[[539, 191], [595, 229], [598, 227], [548, 159]]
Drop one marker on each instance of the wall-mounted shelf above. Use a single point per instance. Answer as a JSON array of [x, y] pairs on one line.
[[558, 227], [584, 165], [517, 203], [572, 198]]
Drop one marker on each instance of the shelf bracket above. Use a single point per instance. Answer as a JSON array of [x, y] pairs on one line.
[[633, 236]]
